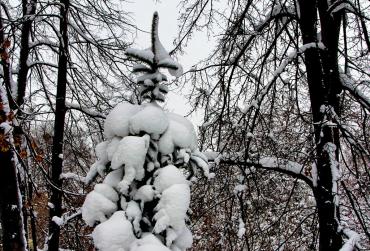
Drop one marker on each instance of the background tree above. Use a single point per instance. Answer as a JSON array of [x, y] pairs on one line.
[[12, 212], [92, 68], [58, 139], [279, 93]]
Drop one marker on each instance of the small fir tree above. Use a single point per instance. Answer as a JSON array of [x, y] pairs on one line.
[[147, 161]]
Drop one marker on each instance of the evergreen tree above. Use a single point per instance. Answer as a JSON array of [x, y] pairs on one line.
[[148, 158]]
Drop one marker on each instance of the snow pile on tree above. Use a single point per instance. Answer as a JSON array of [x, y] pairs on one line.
[[147, 160]]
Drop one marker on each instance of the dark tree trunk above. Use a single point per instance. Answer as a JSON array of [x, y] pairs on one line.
[[29, 8], [324, 85], [60, 110], [33, 218], [10, 198], [11, 219]]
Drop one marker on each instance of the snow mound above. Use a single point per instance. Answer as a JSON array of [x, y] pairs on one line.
[[107, 191], [183, 241], [113, 178], [146, 239], [158, 121], [172, 208], [114, 234], [168, 176], [97, 167], [99, 204], [151, 247], [144, 193], [180, 134], [100, 165], [131, 153], [112, 147], [148, 242], [101, 151], [117, 121], [133, 213]]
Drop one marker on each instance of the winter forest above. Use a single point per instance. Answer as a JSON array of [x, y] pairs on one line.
[[272, 153]]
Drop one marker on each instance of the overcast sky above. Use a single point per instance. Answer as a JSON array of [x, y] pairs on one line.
[[142, 12]]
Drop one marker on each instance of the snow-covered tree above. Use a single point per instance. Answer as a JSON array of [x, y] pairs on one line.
[[147, 162]]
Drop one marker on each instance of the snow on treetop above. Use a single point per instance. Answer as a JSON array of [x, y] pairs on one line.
[[153, 59]]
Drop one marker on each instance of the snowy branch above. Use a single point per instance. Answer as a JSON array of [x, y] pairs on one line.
[[285, 166], [44, 42], [72, 176], [61, 221], [32, 64], [352, 242], [350, 85], [339, 6], [85, 110]]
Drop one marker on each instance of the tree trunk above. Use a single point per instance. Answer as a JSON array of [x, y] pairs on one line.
[[33, 219], [60, 110], [324, 85], [10, 198], [11, 208], [29, 8]]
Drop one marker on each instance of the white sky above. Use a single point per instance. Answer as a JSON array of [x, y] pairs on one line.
[[198, 48]]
